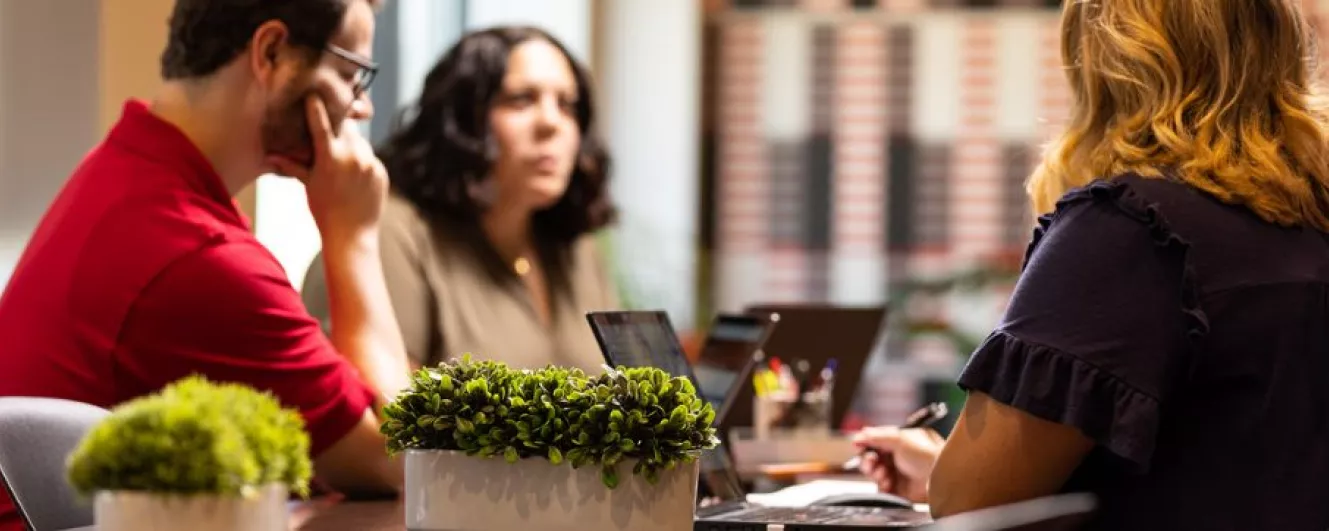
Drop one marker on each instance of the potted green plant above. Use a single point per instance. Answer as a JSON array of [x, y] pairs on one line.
[[554, 449], [197, 455]]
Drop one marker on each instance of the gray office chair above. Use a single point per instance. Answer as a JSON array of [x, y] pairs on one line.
[[1062, 512], [36, 436]]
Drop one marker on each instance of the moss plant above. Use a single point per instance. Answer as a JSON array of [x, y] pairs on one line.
[[486, 409], [195, 437]]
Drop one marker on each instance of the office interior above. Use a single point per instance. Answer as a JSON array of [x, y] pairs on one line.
[[841, 152], [838, 152]]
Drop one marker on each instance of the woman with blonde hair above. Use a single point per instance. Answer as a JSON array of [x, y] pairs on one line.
[[1167, 346]]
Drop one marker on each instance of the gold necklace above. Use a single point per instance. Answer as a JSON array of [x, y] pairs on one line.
[[521, 266]]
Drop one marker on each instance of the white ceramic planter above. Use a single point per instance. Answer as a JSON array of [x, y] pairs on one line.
[[449, 491], [147, 511]]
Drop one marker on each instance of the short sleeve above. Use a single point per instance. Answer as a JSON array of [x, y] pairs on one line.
[[229, 313], [1095, 334]]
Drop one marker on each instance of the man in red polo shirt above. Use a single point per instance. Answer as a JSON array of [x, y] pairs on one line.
[[143, 271]]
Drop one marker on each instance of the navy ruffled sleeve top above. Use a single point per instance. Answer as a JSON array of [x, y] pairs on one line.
[[1190, 340]]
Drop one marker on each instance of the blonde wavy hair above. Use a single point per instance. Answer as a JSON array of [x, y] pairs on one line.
[[1217, 93]]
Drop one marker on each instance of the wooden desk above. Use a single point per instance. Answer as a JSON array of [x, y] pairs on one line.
[[336, 514]]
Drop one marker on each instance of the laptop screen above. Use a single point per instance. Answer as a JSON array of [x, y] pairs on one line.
[[720, 476], [640, 339], [727, 355], [647, 339]]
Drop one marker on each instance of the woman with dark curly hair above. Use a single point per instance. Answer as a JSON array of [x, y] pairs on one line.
[[497, 187]]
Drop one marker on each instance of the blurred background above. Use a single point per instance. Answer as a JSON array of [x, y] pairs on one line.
[[830, 151]]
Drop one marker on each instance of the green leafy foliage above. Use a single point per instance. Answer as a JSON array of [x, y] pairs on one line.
[[195, 437], [486, 409]]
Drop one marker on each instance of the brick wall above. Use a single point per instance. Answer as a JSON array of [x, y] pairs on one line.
[[858, 144], [853, 146]]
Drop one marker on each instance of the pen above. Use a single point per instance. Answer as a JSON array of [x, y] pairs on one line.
[[924, 417], [802, 376], [826, 378]]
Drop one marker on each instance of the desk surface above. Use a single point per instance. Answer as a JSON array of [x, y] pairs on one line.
[[334, 514]]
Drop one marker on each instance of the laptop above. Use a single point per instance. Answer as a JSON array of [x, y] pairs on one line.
[[735, 513], [647, 338], [640, 339], [817, 333], [728, 356]]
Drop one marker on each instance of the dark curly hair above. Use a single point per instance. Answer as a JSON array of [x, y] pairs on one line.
[[205, 35], [442, 151]]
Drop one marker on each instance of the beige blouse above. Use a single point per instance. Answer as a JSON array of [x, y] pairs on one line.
[[448, 303]]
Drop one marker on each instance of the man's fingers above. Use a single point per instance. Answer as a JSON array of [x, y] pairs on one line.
[[320, 126], [358, 143], [289, 168]]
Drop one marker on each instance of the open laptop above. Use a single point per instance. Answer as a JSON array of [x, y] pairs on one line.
[[728, 357], [728, 354], [735, 513], [647, 338], [817, 333]]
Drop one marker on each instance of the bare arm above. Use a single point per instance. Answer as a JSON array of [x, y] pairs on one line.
[[358, 465], [1094, 335], [346, 186], [364, 330], [364, 327], [998, 454]]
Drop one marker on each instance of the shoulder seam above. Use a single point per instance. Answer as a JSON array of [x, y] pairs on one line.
[[1124, 198]]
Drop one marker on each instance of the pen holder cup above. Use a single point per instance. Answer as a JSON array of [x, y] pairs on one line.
[[791, 416]]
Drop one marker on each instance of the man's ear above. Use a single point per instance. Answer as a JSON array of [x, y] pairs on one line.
[[270, 46]]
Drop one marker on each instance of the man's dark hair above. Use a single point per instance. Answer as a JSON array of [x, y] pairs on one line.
[[443, 149], [207, 34]]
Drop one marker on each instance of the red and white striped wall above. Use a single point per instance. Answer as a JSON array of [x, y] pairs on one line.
[[858, 223]]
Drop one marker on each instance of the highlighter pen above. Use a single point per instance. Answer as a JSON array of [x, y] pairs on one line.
[[924, 417]]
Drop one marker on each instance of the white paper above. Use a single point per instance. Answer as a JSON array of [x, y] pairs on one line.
[[805, 494]]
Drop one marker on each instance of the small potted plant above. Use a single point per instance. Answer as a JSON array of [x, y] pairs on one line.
[[490, 448], [197, 455]]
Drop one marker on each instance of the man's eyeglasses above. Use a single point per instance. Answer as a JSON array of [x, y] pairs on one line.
[[368, 69]]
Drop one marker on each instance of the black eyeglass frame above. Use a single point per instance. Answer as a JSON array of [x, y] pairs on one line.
[[368, 69]]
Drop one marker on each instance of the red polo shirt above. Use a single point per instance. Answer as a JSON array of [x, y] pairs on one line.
[[143, 272]]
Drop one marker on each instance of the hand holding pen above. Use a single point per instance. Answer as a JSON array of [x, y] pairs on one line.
[[900, 459]]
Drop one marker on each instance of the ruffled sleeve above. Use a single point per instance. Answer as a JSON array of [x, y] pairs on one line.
[[1099, 330]]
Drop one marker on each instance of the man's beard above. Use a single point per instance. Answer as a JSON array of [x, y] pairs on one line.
[[285, 130]]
